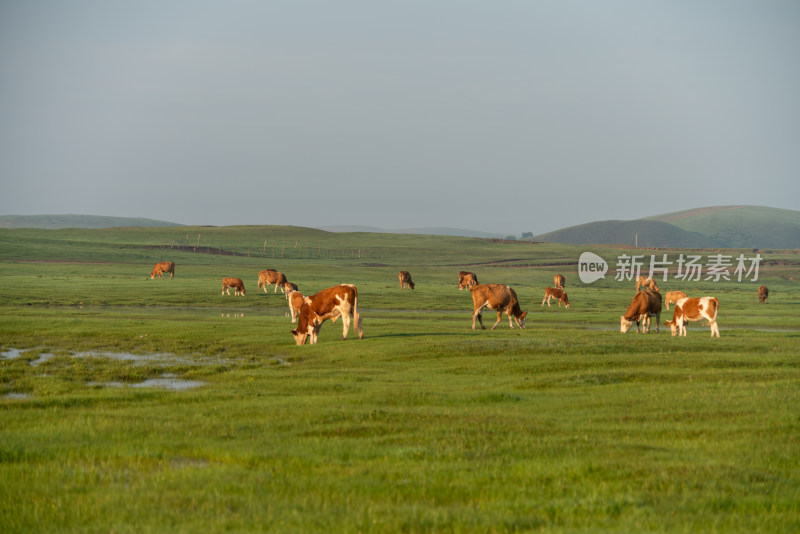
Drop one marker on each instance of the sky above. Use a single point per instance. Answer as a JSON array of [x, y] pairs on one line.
[[502, 116]]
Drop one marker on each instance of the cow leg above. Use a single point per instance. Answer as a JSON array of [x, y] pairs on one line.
[[499, 318], [714, 329], [477, 315], [345, 323], [544, 299]]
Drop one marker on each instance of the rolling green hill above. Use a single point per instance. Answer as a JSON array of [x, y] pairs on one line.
[[53, 222], [710, 227], [740, 226]]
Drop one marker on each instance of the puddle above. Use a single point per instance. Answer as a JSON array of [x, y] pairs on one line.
[[170, 382], [10, 354], [13, 395], [166, 382]]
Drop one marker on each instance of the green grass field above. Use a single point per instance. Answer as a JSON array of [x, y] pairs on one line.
[[137, 405]]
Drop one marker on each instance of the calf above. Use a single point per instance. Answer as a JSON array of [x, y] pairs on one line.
[[644, 305], [163, 267], [559, 281], [235, 283], [763, 293], [694, 309], [555, 293], [295, 303], [498, 297], [673, 296], [271, 276], [329, 303], [405, 280], [467, 279]]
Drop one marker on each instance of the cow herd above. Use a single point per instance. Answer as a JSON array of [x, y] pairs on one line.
[[310, 312]]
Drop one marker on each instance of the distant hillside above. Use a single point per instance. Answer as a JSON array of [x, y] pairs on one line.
[[455, 232], [740, 226], [52, 222], [649, 233], [711, 227]]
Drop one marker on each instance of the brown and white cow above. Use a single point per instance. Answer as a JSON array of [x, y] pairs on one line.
[[329, 303], [287, 289], [467, 279], [235, 283], [271, 276], [405, 280], [559, 281], [763, 294], [645, 282], [163, 267], [644, 305], [295, 303], [499, 297], [673, 296], [694, 309], [555, 293]]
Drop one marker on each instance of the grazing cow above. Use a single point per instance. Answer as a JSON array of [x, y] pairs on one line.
[[329, 303], [559, 281], [405, 280], [647, 283], [271, 276], [467, 279], [673, 296], [497, 297], [163, 267], [235, 283], [555, 293], [644, 305], [763, 293], [295, 303], [694, 309]]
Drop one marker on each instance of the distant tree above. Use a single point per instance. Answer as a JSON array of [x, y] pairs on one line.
[[527, 234], [511, 238]]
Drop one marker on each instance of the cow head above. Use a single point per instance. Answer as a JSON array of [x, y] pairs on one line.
[[565, 299], [624, 324], [521, 319], [300, 336]]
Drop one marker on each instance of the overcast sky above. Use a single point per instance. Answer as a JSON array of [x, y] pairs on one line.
[[501, 116]]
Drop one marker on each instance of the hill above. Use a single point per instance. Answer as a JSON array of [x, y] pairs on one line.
[[454, 232], [740, 226], [54, 222], [710, 227], [645, 233]]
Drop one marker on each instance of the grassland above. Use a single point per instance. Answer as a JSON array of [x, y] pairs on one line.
[[423, 426]]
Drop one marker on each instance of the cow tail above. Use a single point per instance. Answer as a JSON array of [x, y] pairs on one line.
[[357, 316]]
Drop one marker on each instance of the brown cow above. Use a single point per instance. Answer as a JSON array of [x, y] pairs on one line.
[[763, 293], [328, 304], [405, 280], [271, 276], [163, 267], [555, 293], [673, 296], [295, 303], [467, 279], [498, 297], [694, 309], [235, 283], [647, 283], [644, 305], [559, 281]]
